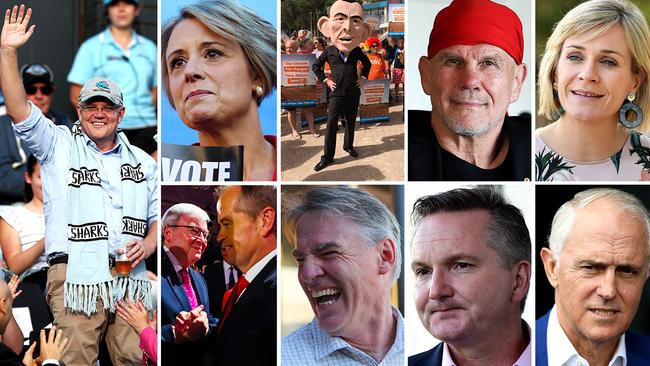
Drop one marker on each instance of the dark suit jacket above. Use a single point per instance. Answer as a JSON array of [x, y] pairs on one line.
[[247, 336], [216, 281], [425, 160], [432, 357], [344, 74], [637, 346], [173, 301], [9, 358]]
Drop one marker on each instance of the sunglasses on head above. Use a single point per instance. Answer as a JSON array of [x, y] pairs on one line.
[[45, 90]]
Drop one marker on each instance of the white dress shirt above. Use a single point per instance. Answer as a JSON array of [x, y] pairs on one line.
[[561, 352]]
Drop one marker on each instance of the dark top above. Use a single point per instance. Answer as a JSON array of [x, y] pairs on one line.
[[248, 334], [432, 357], [344, 73], [9, 358], [428, 161]]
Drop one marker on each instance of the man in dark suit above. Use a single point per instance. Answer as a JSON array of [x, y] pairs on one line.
[[185, 318], [246, 334], [220, 276], [346, 29], [471, 261], [598, 263]]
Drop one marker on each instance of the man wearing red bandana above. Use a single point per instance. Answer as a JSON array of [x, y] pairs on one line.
[[473, 70]]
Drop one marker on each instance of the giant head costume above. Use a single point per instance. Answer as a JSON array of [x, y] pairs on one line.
[[345, 26]]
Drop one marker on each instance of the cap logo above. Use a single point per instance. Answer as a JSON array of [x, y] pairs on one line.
[[102, 84]]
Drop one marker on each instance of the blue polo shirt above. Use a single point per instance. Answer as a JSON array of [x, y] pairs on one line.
[[52, 146], [134, 70]]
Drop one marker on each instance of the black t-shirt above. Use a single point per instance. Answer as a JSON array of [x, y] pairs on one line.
[[455, 168], [427, 161]]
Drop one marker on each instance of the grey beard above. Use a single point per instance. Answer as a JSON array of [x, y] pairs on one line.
[[461, 130]]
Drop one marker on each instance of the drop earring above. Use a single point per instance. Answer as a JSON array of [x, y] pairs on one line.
[[628, 106]]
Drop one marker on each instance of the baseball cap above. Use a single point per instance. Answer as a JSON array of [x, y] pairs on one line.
[[102, 87], [36, 73], [108, 2]]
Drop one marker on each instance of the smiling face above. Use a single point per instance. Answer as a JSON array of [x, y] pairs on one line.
[[209, 78], [338, 272], [462, 290], [239, 233], [471, 87], [594, 76], [40, 99], [100, 126], [345, 26], [180, 240], [603, 268]]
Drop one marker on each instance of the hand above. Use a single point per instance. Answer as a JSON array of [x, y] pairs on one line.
[[134, 314], [136, 252], [28, 359], [359, 81], [53, 347], [14, 34], [331, 84], [191, 326], [13, 285]]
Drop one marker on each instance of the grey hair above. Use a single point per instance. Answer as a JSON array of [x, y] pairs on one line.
[[376, 221], [565, 216], [179, 210], [507, 233], [236, 23], [252, 200]]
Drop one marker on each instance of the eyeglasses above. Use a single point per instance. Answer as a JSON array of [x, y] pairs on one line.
[[45, 90], [195, 231], [93, 110]]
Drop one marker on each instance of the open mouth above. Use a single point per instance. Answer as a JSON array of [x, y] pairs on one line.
[[584, 93], [604, 312], [345, 39], [326, 296]]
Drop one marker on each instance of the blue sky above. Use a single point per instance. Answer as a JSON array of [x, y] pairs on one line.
[[173, 129]]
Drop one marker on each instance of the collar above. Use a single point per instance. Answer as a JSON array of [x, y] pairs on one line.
[[175, 263], [565, 354], [106, 35], [257, 267], [325, 344], [523, 360]]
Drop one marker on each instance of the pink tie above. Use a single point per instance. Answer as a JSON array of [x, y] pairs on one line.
[[187, 285]]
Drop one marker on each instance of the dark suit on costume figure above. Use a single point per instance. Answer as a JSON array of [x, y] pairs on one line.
[[173, 301], [344, 99], [248, 336]]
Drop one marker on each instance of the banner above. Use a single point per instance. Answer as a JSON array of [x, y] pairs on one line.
[[296, 70], [181, 163], [375, 91], [396, 13]]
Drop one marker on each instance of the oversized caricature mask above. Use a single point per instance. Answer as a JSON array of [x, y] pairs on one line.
[[345, 26]]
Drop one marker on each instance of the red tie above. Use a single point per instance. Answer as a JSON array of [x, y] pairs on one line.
[[230, 297], [187, 285]]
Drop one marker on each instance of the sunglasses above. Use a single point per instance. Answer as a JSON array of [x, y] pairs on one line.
[[45, 90]]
